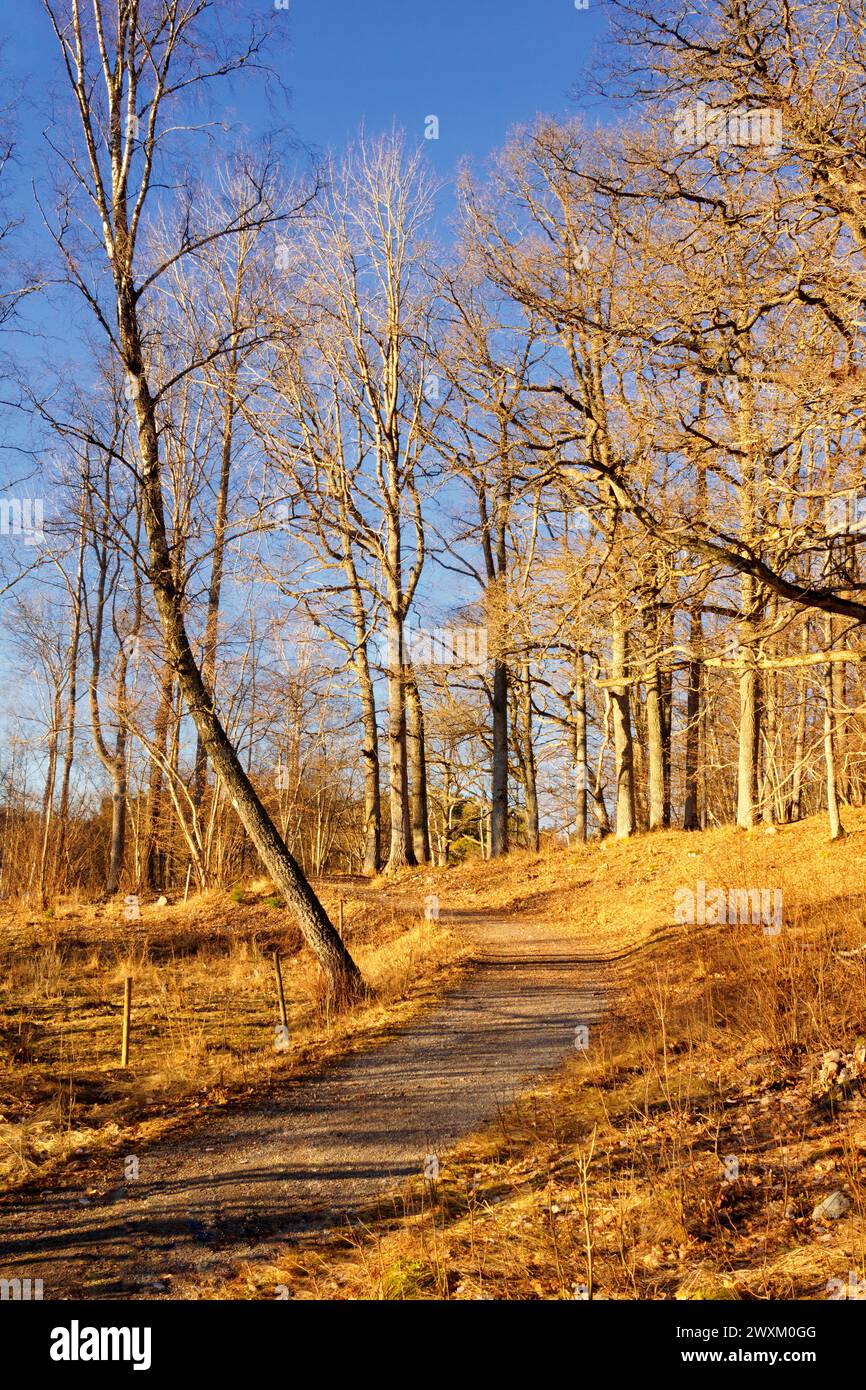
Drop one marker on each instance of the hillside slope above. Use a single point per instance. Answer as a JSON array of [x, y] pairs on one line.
[[681, 1149], [685, 1153]]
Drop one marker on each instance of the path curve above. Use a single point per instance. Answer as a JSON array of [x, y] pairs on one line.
[[247, 1178]]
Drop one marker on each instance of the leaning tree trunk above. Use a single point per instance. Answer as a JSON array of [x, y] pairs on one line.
[[342, 974]]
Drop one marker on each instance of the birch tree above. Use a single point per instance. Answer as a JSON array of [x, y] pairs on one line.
[[128, 65]]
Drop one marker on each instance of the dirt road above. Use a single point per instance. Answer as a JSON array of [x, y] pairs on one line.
[[245, 1179]]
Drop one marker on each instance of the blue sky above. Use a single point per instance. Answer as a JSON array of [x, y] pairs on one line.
[[480, 66]]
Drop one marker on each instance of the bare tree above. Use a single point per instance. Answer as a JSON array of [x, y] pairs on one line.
[[126, 65]]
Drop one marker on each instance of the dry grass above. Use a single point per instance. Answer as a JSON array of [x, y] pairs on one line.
[[204, 1011], [682, 1156]]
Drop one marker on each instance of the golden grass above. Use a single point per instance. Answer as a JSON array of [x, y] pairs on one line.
[[682, 1156], [204, 1011]]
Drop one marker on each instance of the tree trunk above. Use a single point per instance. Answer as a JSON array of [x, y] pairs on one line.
[[530, 785], [71, 701], [417, 771], [402, 852], [748, 742], [622, 735], [117, 850], [499, 768], [372, 790], [691, 809], [839, 678], [153, 859], [114, 763], [655, 731], [209, 656], [747, 760], [799, 753], [340, 971], [666, 683], [579, 755], [768, 794], [118, 821], [370, 732], [48, 799], [836, 829]]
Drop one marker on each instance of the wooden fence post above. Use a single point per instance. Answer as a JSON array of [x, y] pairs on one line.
[[127, 1012], [279, 974]]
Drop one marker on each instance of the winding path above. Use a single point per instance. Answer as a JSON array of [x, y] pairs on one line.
[[247, 1178]]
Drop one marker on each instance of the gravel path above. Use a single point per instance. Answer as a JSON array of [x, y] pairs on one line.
[[246, 1178]]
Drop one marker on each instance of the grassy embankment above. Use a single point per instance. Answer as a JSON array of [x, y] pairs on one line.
[[684, 1153]]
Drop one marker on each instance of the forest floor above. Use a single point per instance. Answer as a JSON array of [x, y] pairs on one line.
[[467, 1147]]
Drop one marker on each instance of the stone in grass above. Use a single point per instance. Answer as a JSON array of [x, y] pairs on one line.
[[706, 1283], [162, 902], [710, 1292], [832, 1207]]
